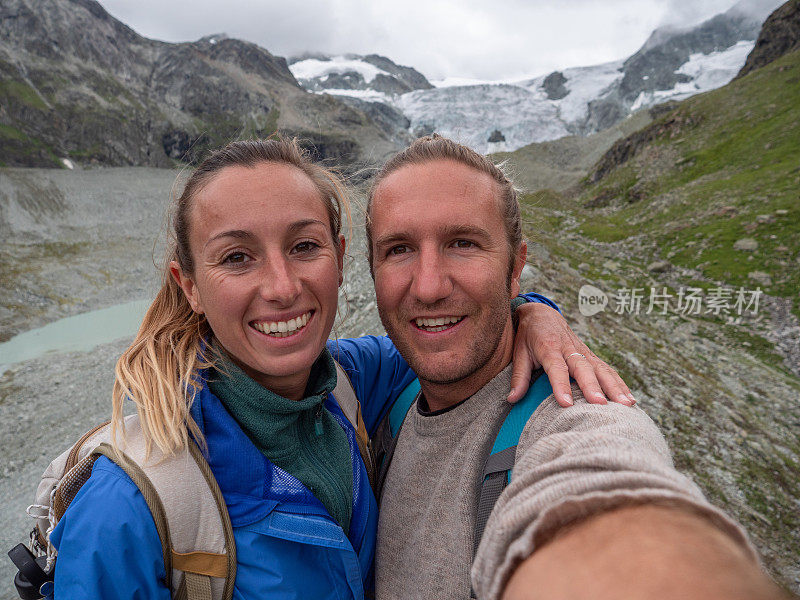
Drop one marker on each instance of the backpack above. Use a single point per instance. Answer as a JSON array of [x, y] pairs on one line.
[[182, 494], [499, 462]]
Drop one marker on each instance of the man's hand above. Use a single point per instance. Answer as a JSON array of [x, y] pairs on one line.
[[545, 340], [643, 552]]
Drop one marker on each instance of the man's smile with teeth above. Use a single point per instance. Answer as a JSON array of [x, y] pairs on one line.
[[436, 324], [282, 329]]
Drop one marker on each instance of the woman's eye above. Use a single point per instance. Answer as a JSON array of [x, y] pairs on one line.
[[305, 247]]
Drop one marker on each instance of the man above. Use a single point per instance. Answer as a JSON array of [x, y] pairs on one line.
[[595, 508]]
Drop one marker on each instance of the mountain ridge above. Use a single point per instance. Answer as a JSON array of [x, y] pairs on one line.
[[77, 84]]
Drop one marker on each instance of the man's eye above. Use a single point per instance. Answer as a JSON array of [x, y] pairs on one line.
[[236, 258], [463, 244], [399, 249]]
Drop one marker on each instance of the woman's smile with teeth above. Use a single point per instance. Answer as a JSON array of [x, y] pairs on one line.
[[436, 324], [282, 329]]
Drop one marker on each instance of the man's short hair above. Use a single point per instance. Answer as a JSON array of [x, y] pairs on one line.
[[435, 147]]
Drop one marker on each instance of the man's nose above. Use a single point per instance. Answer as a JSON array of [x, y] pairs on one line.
[[431, 281], [279, 282]]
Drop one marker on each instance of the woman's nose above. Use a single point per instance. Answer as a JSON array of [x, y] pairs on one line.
[[280, 283]]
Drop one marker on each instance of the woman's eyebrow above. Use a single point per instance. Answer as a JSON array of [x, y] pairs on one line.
[[243, 234], [240, 234], [302, 224]]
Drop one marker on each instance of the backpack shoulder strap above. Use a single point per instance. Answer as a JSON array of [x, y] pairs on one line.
[[500, 462], [182, 494], [345, 395], [399, 409], [389, 430]]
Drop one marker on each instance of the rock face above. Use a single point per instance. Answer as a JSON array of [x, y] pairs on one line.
[[497, 136], [779, 35], [554, 87], [657, 64], [76, 83]]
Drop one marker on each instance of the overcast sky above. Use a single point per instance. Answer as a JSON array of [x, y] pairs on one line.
[[503, 39]]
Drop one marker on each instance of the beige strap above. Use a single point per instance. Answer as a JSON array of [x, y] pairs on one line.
[[194, 587], [198, 587], [348, 401], [201, 563], [230, 543], [151, 497]]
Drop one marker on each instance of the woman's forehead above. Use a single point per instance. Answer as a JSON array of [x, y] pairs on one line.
[[266, 178], [254, 197]]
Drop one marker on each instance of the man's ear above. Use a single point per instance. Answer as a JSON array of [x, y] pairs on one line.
[[340, 261], [187, 285], [519, 264]]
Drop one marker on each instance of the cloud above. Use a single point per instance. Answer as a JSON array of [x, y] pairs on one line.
[[504, 39]]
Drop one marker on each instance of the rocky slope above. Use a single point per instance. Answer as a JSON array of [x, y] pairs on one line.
[[560, 164], [702, 202], [77, 84], [780, 35]]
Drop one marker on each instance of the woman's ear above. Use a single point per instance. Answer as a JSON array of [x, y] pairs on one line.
[[187, 285]]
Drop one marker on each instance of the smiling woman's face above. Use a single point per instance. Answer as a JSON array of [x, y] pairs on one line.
[[266, 271]]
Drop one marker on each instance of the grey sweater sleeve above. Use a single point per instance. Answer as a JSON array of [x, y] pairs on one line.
[[575, 462]]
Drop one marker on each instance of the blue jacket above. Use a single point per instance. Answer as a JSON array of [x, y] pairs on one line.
[[287, 544]]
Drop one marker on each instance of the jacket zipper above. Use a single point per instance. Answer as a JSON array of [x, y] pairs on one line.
[[317, 465]]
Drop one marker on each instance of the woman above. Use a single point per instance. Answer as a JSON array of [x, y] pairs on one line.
[[232, 356]]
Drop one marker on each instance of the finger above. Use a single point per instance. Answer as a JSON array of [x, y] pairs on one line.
[[612, 384], [520, 373], [583, 372], [558, 373]]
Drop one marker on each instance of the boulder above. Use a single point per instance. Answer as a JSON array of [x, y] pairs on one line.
[[760, 277], [659, 266], [746, 244]]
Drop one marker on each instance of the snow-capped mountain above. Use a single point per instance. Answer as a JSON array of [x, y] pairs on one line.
[[672, 65], [372, 77]]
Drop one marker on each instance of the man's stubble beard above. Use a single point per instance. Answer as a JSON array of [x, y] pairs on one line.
[[483, 346]]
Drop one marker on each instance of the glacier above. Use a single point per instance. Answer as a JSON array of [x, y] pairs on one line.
[[513, 114], [708, 72]]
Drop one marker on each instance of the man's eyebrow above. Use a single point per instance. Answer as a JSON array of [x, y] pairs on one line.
[[391, 238], [447, 231], [473, 230]]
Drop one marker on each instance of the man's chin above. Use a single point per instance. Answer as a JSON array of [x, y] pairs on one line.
[[440, 371]]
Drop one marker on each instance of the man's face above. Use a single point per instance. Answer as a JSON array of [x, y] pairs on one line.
[[440, 262]]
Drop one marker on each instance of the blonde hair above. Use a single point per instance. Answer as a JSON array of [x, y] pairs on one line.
[[435, 147], [160, 371]]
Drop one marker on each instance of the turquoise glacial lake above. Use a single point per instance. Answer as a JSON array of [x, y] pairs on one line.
[[79, 333]]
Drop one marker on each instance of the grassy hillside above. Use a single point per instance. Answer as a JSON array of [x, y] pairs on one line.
[[707, 196], [722, 167]]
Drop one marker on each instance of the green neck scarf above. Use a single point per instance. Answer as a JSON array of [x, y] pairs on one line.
[[300, 436]]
